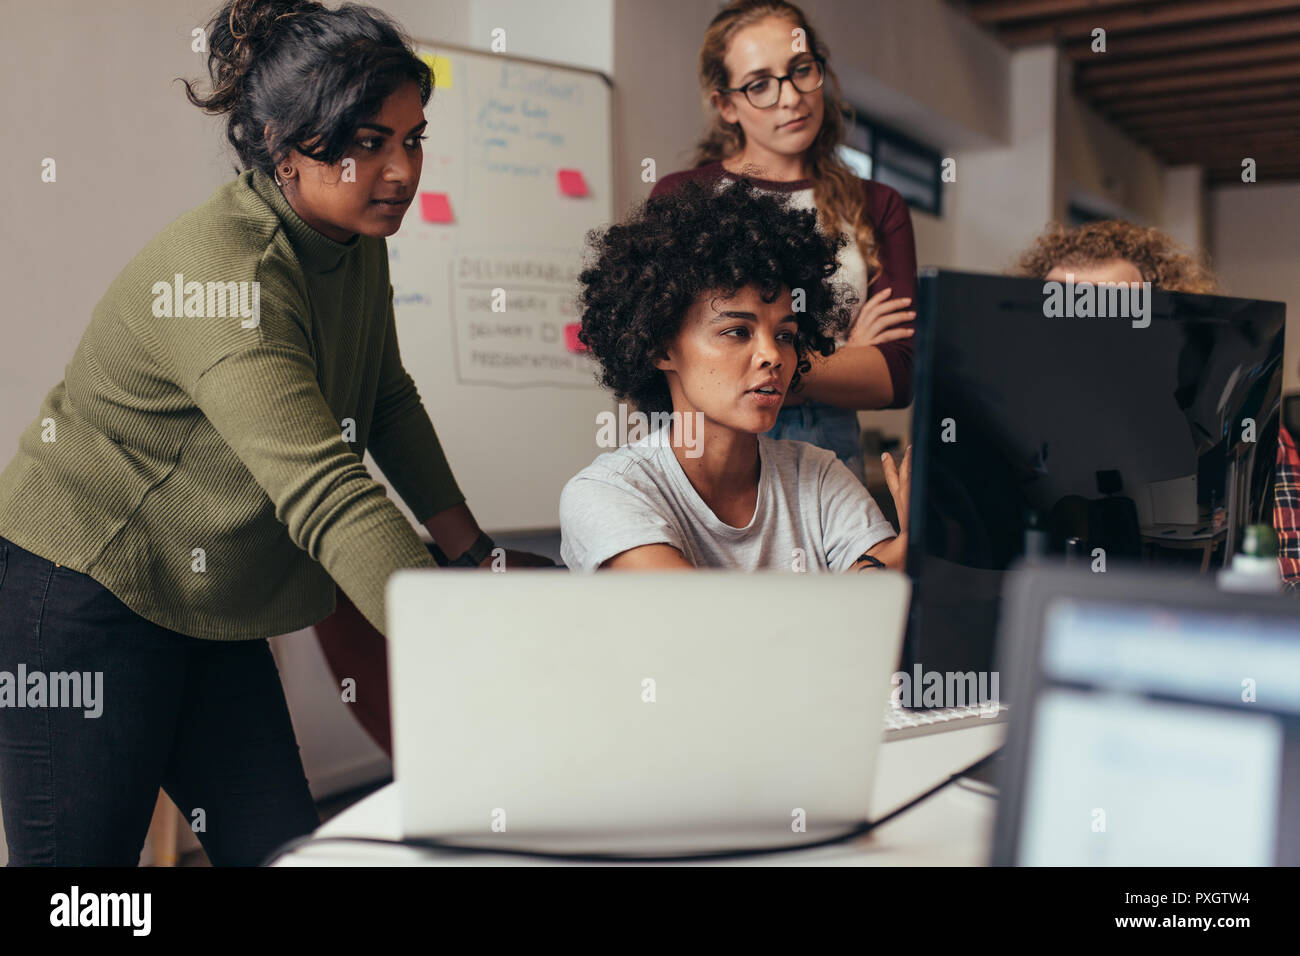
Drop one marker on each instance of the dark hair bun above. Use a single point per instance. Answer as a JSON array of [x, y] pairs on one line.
[[238, 34], [260, 54]]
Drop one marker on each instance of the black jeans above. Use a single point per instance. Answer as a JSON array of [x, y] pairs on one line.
[[205, 720]]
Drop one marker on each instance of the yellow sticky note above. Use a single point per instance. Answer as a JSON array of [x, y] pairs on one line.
[[441, 67]]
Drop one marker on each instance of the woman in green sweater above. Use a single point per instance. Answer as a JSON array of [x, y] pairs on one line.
[[194, 485]]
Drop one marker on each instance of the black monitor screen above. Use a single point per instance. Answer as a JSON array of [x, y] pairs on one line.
[[1148, 434]]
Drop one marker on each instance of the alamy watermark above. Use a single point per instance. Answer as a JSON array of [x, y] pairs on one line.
[[923, 688], [179, 299], [56, 689], [680, 429], [1102, 300], [74, 908]]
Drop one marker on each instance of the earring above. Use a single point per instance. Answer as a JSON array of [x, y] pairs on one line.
[[288, 172]]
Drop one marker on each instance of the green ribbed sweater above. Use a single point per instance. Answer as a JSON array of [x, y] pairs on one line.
[[173, 434]]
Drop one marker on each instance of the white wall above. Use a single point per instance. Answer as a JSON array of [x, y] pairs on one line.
[[918, 65], [1184, 213], [1253, 244], [1100, 165], [132, 154], [573, 32], [1005, 194], [658, 112]]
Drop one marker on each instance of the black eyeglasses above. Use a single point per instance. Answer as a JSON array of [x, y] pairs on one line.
[[764, 92]]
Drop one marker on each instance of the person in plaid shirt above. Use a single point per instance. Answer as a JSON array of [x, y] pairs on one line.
[[1286, 510]]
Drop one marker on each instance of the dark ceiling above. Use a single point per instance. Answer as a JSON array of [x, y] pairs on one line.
[[1210, 82]]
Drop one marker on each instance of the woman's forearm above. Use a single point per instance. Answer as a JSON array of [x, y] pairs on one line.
[[855, 376], [453, 530], [891, 553]]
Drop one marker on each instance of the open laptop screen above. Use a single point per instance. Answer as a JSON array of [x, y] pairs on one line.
[[1163, 737]]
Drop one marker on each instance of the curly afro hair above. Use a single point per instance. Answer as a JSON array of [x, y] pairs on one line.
[[644, 273], [1158, 257]]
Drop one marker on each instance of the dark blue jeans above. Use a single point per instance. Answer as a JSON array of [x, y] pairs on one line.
[[205, 720], [825, 426]]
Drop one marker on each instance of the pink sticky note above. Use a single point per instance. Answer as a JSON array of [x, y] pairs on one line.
[[435, 207], [571, 337], [572, 183]]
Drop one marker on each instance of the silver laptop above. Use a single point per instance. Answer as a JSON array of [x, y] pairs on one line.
[[639, 711], [1155, 722]]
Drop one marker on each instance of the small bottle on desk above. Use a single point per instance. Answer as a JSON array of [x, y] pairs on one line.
[[1254, 568]]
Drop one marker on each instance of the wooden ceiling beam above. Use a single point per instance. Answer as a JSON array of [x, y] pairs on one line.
[[1236, 130], [1236, 170], [1185, 150], [1203, 150], [1277, 110], [1203, 155], [1261, 166], [1229, 177], [1223, 165], [1145, 17], [1214, 79], [1284, 92], [1284, 176], [1238, 147], [1278, 138], [1220, 166], [1189, 38], [1251, 54], [996, 12], [1194, 149]]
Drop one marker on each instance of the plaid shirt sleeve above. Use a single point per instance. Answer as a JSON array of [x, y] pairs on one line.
[[1286, 510]]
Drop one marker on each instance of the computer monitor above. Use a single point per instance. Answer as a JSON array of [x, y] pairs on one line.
[[1144, 438], [1158, 724]]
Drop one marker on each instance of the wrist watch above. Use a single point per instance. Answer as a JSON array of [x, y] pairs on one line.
[[474, 555]]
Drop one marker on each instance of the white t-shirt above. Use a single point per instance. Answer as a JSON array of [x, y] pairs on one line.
[[811, 515]]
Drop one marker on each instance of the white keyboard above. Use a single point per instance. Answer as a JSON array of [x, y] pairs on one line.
[[901, 723]]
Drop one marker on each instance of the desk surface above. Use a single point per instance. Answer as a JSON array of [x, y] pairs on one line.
[[952, 828]]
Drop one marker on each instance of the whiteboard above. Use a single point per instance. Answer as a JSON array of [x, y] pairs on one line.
[[482, 301]]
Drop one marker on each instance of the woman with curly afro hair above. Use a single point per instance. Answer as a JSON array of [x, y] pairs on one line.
[[703, 309]]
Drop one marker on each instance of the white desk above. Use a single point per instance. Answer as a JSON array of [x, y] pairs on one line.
[[952, 828]]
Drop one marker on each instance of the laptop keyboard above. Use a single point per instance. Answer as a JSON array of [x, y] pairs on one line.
[[901, 723]]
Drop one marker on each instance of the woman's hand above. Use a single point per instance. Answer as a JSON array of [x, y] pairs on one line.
[[899, 480], [872, 324], [520, 559], [893, 551]]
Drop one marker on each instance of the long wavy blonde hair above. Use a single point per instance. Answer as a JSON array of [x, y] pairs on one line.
[[837, 193]]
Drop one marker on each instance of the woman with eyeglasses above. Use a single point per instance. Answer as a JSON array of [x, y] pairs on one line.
[[777, 121]]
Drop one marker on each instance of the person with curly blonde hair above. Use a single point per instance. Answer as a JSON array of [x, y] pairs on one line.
[[1116, 251]]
